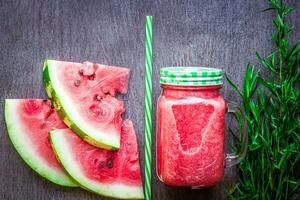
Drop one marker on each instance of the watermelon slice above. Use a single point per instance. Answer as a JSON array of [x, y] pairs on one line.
[[28, 123], [110, 173], [83, 95]]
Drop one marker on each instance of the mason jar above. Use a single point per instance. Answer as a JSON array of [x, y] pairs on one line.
[[191, 128]]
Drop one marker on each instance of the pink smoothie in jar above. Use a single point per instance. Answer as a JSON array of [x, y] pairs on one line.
[[190, 127]]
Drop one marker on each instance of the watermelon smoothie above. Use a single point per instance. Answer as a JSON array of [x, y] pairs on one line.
[[190, 134]]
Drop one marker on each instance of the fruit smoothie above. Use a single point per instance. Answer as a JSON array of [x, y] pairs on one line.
[[190, 135]]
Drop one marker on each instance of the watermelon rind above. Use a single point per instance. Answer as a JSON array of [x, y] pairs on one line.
[[23, 146], [68, 112], [72, 166]]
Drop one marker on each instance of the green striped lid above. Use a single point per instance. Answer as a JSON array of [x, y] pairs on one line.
[[198, 76]]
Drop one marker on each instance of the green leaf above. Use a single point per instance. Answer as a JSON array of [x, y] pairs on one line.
[[233, 86], [295, 50], [250, 82], [267, 9], [255, 111], [265, 63]]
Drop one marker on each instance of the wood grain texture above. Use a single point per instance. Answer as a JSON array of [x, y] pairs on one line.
[[193, 32]]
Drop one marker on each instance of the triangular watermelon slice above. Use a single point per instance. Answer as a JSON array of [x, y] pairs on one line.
[[110, 173], [28, 123], [83, 95]]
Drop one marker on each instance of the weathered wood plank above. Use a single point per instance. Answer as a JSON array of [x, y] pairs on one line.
[[216, 33]]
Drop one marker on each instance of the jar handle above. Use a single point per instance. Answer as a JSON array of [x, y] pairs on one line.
[[233, 159]]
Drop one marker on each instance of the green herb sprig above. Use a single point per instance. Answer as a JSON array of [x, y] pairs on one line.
[[271, 168]]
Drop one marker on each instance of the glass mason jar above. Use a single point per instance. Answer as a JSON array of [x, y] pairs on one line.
[[191, 128]]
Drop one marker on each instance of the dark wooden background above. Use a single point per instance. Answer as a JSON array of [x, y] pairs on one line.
[[216, 33]]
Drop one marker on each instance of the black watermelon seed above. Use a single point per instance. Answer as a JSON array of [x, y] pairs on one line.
[[45, 100], [77, 83], [81, 71], [109, 164]]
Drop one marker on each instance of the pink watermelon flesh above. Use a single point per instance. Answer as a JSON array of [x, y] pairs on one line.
[[93, 79], [106, 113], [109, 167], [92, 88], [38, 119], [29, 122], [193, 150], [187, 123]]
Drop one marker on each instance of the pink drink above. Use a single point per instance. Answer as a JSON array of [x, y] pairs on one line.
[[190, 135]]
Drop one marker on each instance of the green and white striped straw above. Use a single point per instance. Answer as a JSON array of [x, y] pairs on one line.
[[148, 108]]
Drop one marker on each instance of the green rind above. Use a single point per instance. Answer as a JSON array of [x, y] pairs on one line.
[[18, 140], [58, 104], [71, 164]]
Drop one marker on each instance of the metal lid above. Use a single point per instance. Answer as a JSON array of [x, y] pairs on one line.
[[189, 76]]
